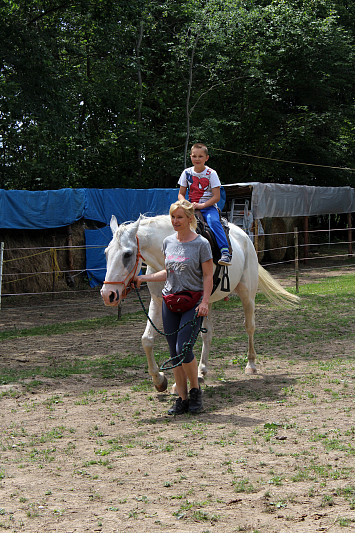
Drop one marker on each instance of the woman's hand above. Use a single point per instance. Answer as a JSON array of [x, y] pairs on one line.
[[137, 281], [156, 276], [202, 309]]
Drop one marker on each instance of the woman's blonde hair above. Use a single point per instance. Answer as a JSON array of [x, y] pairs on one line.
[[188, 209]]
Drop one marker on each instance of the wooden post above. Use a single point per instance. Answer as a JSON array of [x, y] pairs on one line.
[[256, 236], [350, 236], [296, 259], [70, 252], [69, 275], [1, 267], [306, 239], [53, 252]]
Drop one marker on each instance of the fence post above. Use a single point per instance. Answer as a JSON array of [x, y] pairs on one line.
[[256, 237], [350, 236], [1, 265], [296, 259], [306, 239]]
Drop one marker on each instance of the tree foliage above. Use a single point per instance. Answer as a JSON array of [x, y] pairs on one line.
[[112, 94]]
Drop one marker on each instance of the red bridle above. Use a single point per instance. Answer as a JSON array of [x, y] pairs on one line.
[[126, 288]]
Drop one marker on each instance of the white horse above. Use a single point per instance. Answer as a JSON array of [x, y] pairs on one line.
[[139, 241]]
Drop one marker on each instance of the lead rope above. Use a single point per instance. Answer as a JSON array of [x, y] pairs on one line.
[[186, 346]]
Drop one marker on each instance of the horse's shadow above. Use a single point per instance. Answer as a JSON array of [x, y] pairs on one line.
[[222, 400]]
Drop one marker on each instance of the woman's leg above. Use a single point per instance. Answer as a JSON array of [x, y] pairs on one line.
[[171, 323], [189, 369], [188, 335], [181, 381]]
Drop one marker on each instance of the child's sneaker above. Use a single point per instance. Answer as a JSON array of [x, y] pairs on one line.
[[226, 259]]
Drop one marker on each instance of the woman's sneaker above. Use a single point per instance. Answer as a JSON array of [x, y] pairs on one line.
[[195, 404], [180, 407]]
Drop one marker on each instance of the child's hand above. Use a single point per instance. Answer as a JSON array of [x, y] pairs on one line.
[[197, 206]]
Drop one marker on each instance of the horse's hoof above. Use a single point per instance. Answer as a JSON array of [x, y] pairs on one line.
[[250, 370], [163, 386]]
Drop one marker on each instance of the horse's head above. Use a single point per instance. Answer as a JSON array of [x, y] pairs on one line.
[[123, 261]]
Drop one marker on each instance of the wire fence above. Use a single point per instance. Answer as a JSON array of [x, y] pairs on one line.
[[308, 251]]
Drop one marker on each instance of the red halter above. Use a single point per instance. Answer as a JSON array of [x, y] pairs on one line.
[[126, 288]]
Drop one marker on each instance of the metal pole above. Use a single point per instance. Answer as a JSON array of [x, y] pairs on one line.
[[1, 265], [296, 259]]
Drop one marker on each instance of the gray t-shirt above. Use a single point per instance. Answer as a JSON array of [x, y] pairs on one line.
[[183, 263]]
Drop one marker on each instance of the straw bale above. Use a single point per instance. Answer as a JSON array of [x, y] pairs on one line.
[[35, 262], [275, 238]]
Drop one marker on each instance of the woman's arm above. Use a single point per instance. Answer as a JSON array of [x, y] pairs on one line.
[[156, 276], [207, 273]]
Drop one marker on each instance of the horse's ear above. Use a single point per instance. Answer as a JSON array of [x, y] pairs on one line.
[[132, 231], [113, 224]]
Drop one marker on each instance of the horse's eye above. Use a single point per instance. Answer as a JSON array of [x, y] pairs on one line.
[[127, 255]]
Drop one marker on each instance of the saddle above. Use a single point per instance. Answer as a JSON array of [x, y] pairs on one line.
[[204, 230]]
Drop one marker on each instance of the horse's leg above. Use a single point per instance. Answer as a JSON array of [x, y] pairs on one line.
[[249, 313], [159, 379], [206, 345]]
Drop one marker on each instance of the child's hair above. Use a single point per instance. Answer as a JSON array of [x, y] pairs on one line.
[[199, 146], [188, 209]]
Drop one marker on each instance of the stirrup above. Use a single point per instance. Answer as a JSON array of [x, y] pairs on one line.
[[225, 283]]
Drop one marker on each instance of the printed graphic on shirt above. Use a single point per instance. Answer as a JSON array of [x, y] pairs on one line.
[[176, 260], [197, 186]]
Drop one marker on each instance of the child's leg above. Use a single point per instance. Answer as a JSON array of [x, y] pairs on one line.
[[211, 215]]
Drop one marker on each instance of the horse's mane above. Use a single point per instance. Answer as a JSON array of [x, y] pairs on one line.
[[144, 221]]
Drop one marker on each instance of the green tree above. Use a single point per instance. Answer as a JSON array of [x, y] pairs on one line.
[[111, 94]]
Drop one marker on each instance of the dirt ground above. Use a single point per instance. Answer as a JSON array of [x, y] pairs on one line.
[[271, 453]]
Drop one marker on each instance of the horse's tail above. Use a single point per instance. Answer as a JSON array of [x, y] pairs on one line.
[[273, 290]]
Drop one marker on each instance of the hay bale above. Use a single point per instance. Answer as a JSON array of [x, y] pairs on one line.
[[261, 247], [291, 223], [275, 238], [36, 262]]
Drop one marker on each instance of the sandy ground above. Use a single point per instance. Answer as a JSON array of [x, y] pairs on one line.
[[96, 451]]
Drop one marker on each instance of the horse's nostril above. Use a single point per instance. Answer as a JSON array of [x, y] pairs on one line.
[[111, 297]]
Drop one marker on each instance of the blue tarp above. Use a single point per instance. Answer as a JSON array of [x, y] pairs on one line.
[[41, 209], [96, 242], [127, 204]]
